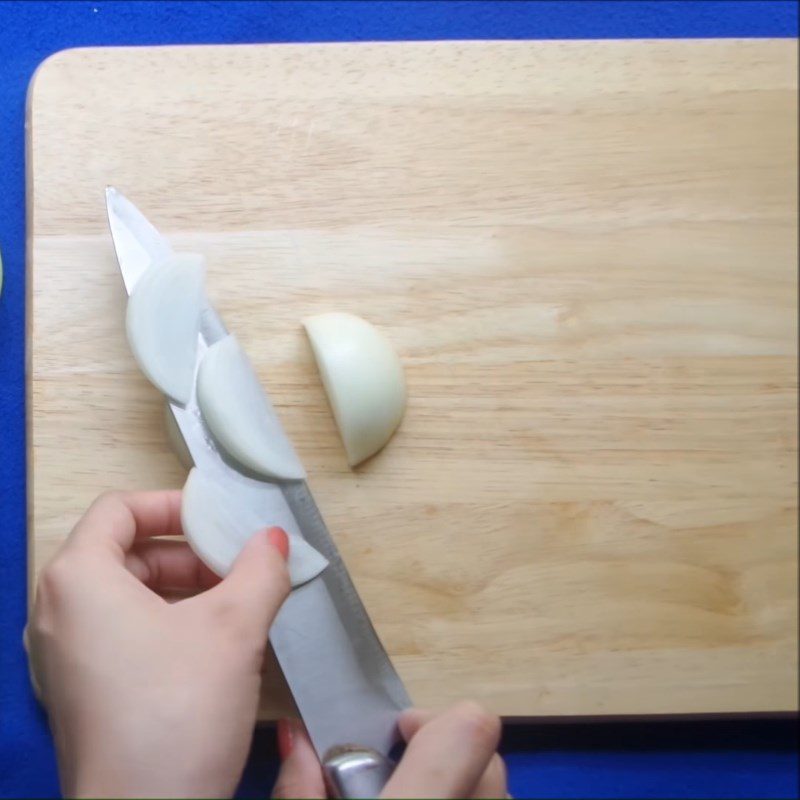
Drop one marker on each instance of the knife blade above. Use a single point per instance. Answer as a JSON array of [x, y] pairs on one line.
[[342, 680]]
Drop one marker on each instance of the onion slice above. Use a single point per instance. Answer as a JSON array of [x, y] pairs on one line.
[[363, 378], [240, 415], [220, 512], [163, 321]]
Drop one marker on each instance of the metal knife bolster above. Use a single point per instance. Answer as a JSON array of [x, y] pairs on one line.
[[357, 773], [342, 680]]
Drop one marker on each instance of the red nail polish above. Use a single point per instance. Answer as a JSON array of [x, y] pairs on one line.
[[285, 737], [279, 540]]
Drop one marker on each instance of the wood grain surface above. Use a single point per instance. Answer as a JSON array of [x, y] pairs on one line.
[[586, 254]]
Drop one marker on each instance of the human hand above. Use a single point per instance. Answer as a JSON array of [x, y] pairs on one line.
[[449, 755], [147, 697]]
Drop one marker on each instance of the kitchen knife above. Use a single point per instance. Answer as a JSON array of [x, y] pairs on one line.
[[342, 680]]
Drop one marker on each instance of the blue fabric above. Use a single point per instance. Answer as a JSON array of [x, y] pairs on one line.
[[724, 759]]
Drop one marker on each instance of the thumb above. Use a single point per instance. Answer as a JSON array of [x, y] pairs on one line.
[[258, 581], [300, 775]]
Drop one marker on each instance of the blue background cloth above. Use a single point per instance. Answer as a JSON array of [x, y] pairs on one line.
[[708, 759]]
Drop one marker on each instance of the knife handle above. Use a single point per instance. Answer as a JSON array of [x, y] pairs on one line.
[[357, 772]]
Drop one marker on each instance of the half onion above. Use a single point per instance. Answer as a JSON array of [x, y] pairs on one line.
[[363, 378]]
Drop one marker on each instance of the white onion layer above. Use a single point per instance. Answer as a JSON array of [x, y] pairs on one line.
[[163, 321], [240, 415], [220, 513]]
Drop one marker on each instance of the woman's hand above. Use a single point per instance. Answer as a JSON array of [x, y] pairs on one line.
[[453, 754], [148, 697]]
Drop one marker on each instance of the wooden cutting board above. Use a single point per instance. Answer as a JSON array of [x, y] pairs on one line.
[[586, 254]]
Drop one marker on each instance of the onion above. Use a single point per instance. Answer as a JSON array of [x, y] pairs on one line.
[[240, 415], [220, 512], [363, 378], [163, 321]]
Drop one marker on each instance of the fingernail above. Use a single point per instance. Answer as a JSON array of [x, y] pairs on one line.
[[285, 735], [279, 540]]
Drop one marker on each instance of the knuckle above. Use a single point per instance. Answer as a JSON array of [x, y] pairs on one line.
[[479, 724], [233, 624], [226, 613], [53, 589], [54, 578]]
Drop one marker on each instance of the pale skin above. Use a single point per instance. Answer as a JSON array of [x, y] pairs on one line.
[[149, 667]]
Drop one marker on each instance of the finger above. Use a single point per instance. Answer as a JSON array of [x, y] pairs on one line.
[[257, 584], [164, 566], [300, 774], [491, 784], [412, 719], [494, 781], [120, 518], [447, 756]]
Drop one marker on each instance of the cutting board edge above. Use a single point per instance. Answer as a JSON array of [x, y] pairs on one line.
[[29, 323]]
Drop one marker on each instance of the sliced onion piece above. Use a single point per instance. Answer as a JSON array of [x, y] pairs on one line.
[[363, 378], [241, 416], [163, 321], [220, 513]]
